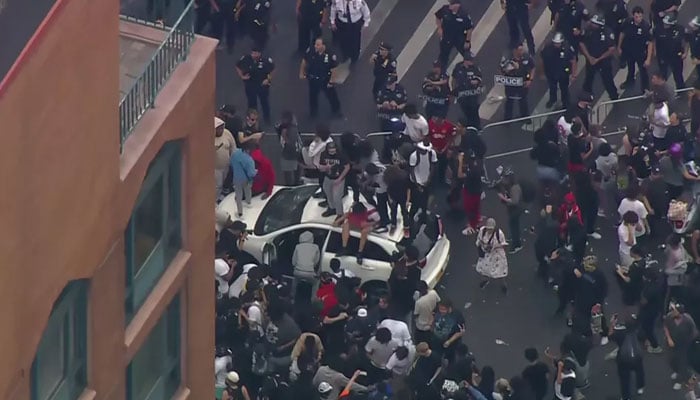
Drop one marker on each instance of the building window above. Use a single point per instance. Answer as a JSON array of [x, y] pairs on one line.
[[59, 370], [153, 235], [154, 372]]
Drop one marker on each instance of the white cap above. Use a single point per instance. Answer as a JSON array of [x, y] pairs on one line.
[[422, 146], [218, 122], [324, 387], [362, 312], [232, 377]]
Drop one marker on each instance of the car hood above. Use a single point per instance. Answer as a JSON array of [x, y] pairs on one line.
[[250, 213]]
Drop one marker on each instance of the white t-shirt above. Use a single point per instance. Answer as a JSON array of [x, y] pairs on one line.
[[423, 310], [400, 367], [563, 127], [639, 209], [221, 269], [421, 165], [416, 129], [255, 317], [380, 353], [661, 117], [220, 370], [399, 331], [622, 237]]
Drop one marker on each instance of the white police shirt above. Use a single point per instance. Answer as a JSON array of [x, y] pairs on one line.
[[358, 10]]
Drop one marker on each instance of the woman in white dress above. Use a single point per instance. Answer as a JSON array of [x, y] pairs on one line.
[[492, 263]]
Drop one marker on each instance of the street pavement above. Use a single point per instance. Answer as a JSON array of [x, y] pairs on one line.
[[524, 317]]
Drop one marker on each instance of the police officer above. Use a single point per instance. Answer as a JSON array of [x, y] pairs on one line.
[[311, 15], [636, 47], [598, 46], [467, 86], [518, 17], [559, 66], [436, 89], [661, 8], [384, 64], [520, 65], [255, 15], [454, 26], [256, 73], [223, 21], [614, 12], [391, 101], [318, 68], [347, 19], [670, 48], [568, 21], [693, 38]]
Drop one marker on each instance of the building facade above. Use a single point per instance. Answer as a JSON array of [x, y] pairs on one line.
[[106, 287]]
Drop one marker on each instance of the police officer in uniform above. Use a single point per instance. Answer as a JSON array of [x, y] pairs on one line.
[[256, 73], [693, 38], [467, 86], [384, 64], [436, 89], [559, 66], [636, 48], [661, 8], [614, 12], [348, 17], [670, 48], [598, 46], [519, 65], [518, 17], [255, 15], [223, 23], [318, 68], [310, 17], [568, 21], [391, 101], [454, 26]]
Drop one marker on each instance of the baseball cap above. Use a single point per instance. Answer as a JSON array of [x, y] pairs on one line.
[[598, 20], [324, 387], [218, 122], [232, 377], [385, 46], [392, 78], [362, 312]]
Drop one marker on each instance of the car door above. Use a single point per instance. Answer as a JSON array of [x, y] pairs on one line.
[[376, 262], [280, 248]]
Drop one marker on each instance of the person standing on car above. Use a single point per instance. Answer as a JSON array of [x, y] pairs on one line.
[[422, 164], [224, 145], [335, 166], [243, 170]]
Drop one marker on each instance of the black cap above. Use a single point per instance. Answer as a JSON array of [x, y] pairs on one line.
[[238, 226], [228, 108], [385, 46], [585, 96], [256, 49], [437, 64], [391, 78]]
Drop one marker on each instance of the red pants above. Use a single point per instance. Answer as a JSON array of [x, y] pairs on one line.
[[573, 168], [472, 207]]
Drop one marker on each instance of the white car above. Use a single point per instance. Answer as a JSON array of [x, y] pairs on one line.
[[277, 222]]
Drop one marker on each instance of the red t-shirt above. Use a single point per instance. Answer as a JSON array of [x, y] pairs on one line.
[[326, 293], [441, 134]]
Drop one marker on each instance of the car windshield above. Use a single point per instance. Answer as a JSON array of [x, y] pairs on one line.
[[284, 209]]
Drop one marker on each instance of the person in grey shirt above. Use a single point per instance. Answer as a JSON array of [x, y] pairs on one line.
[[680, 331], [336, 380], [606, 163]]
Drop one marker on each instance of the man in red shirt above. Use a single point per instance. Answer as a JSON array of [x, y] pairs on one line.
[[264, 180], [442, 133], [359, 218]]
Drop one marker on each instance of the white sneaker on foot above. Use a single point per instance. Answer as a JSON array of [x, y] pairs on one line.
[[640, 391], [674, 376], [677, 386], [604, 340], [595, 235]]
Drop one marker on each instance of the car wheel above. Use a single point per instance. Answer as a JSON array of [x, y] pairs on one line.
[[374, 290]]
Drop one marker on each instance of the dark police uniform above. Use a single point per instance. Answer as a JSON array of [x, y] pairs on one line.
[[318, 74], [614, 12], [518, 17], [224, 21], [382, 67], [467, 85], [455, 30], [668, 42], [556, 63], [310, 16], [693, 39], [569, 19], [597, 42], [522, 69], [635, 41], [659, 6], [397, 95], [259, 71], [437, 95], [349, 16], [257, 13]]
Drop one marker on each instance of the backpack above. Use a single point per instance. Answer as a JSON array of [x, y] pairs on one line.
[[630, 350]]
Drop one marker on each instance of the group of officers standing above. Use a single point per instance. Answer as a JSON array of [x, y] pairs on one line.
[[600, 38]]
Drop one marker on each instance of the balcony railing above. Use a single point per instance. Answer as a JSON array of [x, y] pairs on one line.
[[172, 51]]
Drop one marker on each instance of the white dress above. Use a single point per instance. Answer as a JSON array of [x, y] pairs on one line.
[[494, 263]]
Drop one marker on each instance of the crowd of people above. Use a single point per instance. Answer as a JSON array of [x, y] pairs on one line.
[[321, 337]]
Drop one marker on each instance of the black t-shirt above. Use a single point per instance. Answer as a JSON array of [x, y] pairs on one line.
[[577, 146], [676, 134], [424, 369], [546, 154], [336, 329], [336, 161], [247, 130], [454, 25], [655, 192], [536, 377], [641, 162]]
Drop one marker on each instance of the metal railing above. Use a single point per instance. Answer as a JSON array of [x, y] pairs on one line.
[[534, 122], [602, 110], [172, 51]]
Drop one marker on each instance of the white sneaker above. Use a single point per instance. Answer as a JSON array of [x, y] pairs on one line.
[[640, 391], [595, 235], [677, 386], [604, 340], [674, 376], [601, 214]]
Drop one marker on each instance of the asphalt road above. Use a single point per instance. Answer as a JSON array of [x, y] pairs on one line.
[[524, 317]]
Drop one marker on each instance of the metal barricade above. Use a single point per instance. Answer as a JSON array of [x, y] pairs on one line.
[[533, 122], [602, 110]]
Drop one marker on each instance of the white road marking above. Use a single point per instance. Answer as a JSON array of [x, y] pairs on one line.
[[493, 100], [379, 15], [418, 40]]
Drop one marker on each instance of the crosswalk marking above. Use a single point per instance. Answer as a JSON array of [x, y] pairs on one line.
[[492, 101], [418, 40], [379, 15]]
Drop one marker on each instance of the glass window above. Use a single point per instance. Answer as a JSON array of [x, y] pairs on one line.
[[59, 370], [154, 372], [153, 235]]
